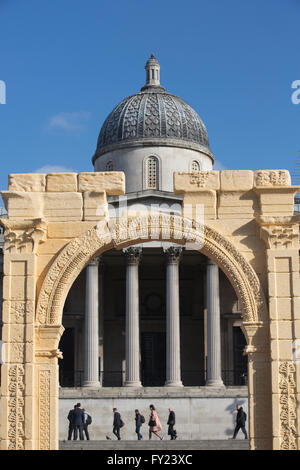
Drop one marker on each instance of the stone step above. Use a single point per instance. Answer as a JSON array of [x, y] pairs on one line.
[[221, 444]]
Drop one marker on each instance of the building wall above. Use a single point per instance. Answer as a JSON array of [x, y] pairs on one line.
[[196, 418], [169, 158]]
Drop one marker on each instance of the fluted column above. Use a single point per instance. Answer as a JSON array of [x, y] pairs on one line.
[[132, 340], [214, 377], [91, 362], [173, 376]]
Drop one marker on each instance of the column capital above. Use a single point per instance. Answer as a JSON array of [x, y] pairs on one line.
[[94, 261], [133, 255], [173, 254]]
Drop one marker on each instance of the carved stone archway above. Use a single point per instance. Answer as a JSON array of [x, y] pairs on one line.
[[119, 234], [77, 254]]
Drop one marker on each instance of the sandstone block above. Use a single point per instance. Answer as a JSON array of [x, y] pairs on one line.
[[236, 180], [67, 230], [19, 288], [113, 182], [283, 260], [63, 206], [24, 205], [263, 178], [281, 350], [205, 201], [61, 182], [281, 329], [280, 284], [16, 264], [196, 181], [281, 308], [95, 205], [29, 182]]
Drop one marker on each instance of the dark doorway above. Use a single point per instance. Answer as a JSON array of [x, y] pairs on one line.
[[240, 361], [153, 359], [66, 365]]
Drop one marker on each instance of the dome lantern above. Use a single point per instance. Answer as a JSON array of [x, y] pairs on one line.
[[152, 68]]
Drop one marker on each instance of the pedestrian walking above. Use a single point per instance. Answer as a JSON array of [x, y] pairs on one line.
[[78, 422], [139, 420], [71, 426], [117, 423], [87, 422], [154, 423], [171, 422], [240, 422]]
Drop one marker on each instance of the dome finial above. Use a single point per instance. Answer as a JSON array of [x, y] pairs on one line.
[[152, 68]]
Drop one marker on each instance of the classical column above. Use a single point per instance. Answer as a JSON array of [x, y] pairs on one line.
[[213, 377], [91, 362], [132, 340], [173, 377], [101, 318]]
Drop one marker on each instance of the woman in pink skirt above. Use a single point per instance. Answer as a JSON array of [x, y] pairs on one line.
[[154, 423]]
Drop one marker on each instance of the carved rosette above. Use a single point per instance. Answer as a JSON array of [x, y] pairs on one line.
[[16, 403], [288, 404]]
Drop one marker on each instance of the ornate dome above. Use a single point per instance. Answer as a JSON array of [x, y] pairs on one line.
[[152, 117]]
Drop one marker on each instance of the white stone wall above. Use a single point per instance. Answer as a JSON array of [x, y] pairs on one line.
[[196, 418], [132, 162]]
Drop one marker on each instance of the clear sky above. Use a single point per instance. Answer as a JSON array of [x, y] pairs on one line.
[[67, 63]]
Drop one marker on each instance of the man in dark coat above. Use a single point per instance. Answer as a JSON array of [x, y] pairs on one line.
[[71, 427], [171, 423], [78, 422], [240, 422], [117, 424], [138, 424]]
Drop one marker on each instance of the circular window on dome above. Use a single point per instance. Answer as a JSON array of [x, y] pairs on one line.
[[195, 166], [109, 166]]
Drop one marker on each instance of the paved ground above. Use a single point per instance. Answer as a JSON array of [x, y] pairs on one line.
[[238, 444]]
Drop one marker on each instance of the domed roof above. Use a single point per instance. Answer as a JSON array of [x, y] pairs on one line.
[[152, 117]]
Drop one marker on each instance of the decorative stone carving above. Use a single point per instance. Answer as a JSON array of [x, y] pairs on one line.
[[288, 406], [44, 411], [199, 178], [173, 254], [16, 403], [133, 255], [24, 236], [279, 232], [272, 178], [155, 117]]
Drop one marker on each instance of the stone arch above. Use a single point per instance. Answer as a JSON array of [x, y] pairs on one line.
[[125, 232]]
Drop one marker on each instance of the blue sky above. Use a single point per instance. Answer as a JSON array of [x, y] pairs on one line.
[[67, 63]]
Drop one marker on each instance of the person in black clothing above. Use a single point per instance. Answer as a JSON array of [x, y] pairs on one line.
[[138, 424], [117, 424], [171, 423], [71, 427], [240, 422], [78, 422]]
